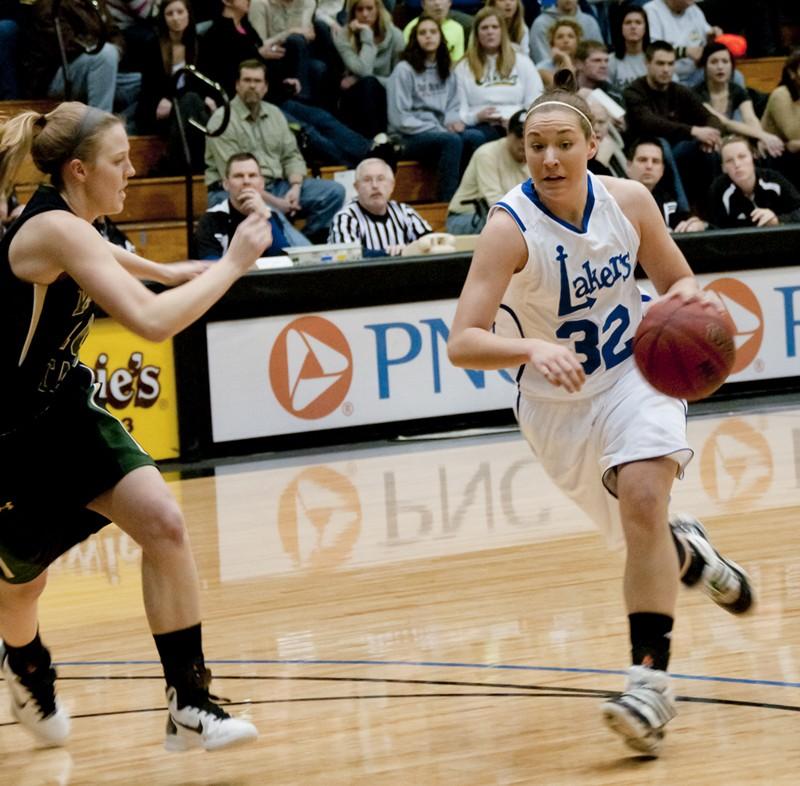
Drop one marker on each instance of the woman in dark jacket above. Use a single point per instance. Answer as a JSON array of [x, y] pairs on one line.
[[175, 47]]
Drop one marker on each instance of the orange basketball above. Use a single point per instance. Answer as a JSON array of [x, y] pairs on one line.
[[684, 350]]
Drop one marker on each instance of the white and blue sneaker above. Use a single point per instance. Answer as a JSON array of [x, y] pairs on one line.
[[640, 713]]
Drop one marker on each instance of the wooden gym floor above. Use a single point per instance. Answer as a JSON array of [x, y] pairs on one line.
[[433, 613]]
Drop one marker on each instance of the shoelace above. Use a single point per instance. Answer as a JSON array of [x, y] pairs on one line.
[[652, 699], [200, 696]]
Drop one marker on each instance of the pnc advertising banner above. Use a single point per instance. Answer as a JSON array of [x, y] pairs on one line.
[[137, 384], [289, 374], [283, 375]]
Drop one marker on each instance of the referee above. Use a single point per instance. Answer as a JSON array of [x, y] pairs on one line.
[[382, 226]]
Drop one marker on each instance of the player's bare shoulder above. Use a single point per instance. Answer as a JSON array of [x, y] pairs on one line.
[[42, 246]]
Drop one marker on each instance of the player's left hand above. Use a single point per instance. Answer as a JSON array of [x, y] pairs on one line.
[[178, 272]]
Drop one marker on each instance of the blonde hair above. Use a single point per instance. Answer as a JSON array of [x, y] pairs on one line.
[[69, 131], [516, 25], [565, 22], [382, 24], [475, 55]]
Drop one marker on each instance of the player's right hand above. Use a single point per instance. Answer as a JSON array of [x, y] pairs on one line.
[[252, 237], [558, 364]]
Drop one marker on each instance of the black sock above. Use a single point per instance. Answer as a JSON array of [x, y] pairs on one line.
[[29, 658], [650, 639], [181, 653]]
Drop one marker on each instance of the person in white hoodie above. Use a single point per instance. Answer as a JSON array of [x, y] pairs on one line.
[[540, 47], [494, 81], [423, 109]]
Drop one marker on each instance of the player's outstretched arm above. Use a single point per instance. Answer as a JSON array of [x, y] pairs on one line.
[[58, 242], [170, 274], [499, 253]]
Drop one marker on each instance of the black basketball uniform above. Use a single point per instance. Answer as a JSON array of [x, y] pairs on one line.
[[59, 449]]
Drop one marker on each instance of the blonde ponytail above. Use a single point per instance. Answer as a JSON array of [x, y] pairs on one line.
[[69, 131], [16, 140]]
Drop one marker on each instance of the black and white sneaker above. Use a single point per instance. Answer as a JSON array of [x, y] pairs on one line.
[[721, 579], [640, 713], [202, 723], [34, 703]]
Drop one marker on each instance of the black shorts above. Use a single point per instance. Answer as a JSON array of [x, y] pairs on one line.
[[53, 467]]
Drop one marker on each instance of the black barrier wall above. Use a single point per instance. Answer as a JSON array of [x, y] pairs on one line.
[[377, 282]]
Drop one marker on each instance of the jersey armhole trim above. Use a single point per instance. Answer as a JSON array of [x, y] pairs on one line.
[[513, 213]]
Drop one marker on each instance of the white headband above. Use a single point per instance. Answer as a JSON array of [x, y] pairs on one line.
[[560, 103]]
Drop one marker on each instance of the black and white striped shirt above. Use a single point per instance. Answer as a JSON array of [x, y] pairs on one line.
[[399, 226]]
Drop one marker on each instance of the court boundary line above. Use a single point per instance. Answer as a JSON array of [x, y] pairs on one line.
[[440, 664]]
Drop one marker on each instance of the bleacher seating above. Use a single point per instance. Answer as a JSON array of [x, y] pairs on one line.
[[762, 73], [155, 207]]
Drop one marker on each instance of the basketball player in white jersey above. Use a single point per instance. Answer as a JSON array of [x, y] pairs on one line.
[[559, 253]]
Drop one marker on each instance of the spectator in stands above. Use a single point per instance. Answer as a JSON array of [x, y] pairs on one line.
[[370, 47], [244, 186], [175, 46], [299, 49], [540, 29], [94, 76], [682, 24], [647, 166], [382, 226], [452, 30], [591, 69], [133, 18], [629, 40], [659, 107], [9, 34], [230, 41], [610, 156], [424, 110], [331, 13], [564, 37], [513, 15], [729, 102], [746, 195], [495, 168], [782, 116], [493, 80], [260, 128]]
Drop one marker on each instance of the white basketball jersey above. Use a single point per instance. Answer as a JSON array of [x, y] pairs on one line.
[[576, 289]]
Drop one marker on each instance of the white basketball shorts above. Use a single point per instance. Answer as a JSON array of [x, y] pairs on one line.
[[581, 443]]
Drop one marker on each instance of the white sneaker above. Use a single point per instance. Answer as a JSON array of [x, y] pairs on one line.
[[640, 713], [721, 579], [35, 705], [205, 726]]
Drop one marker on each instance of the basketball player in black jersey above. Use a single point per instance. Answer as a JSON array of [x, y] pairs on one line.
[[69, 467]]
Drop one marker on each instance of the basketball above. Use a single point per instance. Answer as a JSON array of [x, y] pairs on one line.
[[684, 350]]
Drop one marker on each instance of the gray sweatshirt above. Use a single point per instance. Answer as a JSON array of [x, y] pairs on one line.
[[421, 102], [376, 60]]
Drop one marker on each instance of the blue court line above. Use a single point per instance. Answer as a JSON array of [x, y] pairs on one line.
[[436, 664]]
